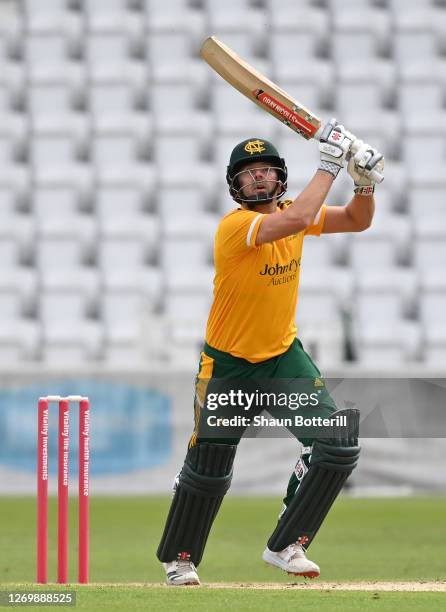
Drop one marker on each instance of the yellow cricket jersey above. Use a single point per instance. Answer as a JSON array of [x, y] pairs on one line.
[[255, 287]]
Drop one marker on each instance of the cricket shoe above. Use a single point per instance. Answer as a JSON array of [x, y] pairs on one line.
[[292, 560], [181, 573]]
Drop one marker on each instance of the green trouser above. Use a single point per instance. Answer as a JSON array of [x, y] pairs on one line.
[[294, 363]]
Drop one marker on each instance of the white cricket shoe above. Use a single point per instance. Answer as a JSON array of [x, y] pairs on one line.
[[181, 573], [292, 560]]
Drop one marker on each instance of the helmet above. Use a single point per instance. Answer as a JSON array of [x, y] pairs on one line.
[[249, 150]]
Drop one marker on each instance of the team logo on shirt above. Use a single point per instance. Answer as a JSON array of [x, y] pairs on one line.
[[277, 269], [281, 275], [255, 146]]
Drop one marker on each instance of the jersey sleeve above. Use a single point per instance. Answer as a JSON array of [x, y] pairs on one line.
[[317, 226], [238, 231]]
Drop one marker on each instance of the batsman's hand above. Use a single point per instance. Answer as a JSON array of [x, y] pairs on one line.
[[366, 167], [334, 147]]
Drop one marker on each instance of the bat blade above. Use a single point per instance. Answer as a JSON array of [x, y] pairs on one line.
[[259, 89]]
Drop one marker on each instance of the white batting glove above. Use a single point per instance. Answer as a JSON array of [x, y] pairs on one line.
[[366, 167], [334, 147]]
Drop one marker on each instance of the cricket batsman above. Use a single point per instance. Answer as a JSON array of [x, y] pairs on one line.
[[251, 333]]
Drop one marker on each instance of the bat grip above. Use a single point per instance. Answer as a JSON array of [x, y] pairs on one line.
[[376, 176]]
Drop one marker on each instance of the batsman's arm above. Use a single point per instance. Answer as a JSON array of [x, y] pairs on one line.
[[334, 147], [356, 216], [300, 214]]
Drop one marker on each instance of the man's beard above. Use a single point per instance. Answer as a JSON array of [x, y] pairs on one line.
[[253, 201]]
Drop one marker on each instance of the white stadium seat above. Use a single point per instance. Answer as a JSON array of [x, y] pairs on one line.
[[171, 200], [351, 96], [349, 46], [179, 254], [111, 98], [234, 15], [379, 252], [167, 16], [414, 46], [113, 15], [420, 98], [431, 147]]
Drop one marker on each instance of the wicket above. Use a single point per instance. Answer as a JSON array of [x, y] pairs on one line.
[[63, 478]]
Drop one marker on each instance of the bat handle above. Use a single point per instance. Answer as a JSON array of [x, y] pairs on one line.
[[376, 176]]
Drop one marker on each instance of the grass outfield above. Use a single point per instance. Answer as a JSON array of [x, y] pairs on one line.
[[370, 540]]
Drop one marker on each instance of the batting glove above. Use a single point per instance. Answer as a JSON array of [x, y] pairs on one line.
[[366, 167], [334, 147]]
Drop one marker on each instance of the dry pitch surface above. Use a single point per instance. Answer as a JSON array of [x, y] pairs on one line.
[[415, 587]]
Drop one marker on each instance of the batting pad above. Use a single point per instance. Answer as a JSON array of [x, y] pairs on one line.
[[204, 480], [332, 461]]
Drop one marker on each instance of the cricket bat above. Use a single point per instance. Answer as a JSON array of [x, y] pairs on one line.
[[260, 89], [266, 94]]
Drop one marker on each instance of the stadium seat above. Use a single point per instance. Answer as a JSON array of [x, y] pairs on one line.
[[110, 150], [426, 201], [111, 97], [113, 15], [162, 16], [178, 160], [46, 52], [303, 45], [48, 150], [376, 252], [54, 16], [316, 253], [171, 56], [125, 252], [379, 280], [360, 21], [110, 56], [61, 252], [399, 6], [58, 207], [351, 96], [414, 46], [197, 278], [349, 46], [62, 307], [189, 199], [185, 307], [186, 225], [174, 117], [432, 146], [234, 15], [430, 254], [378, 309], [298, 18], [124, 314], [173, 254], [317, 305], [419, 98]]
